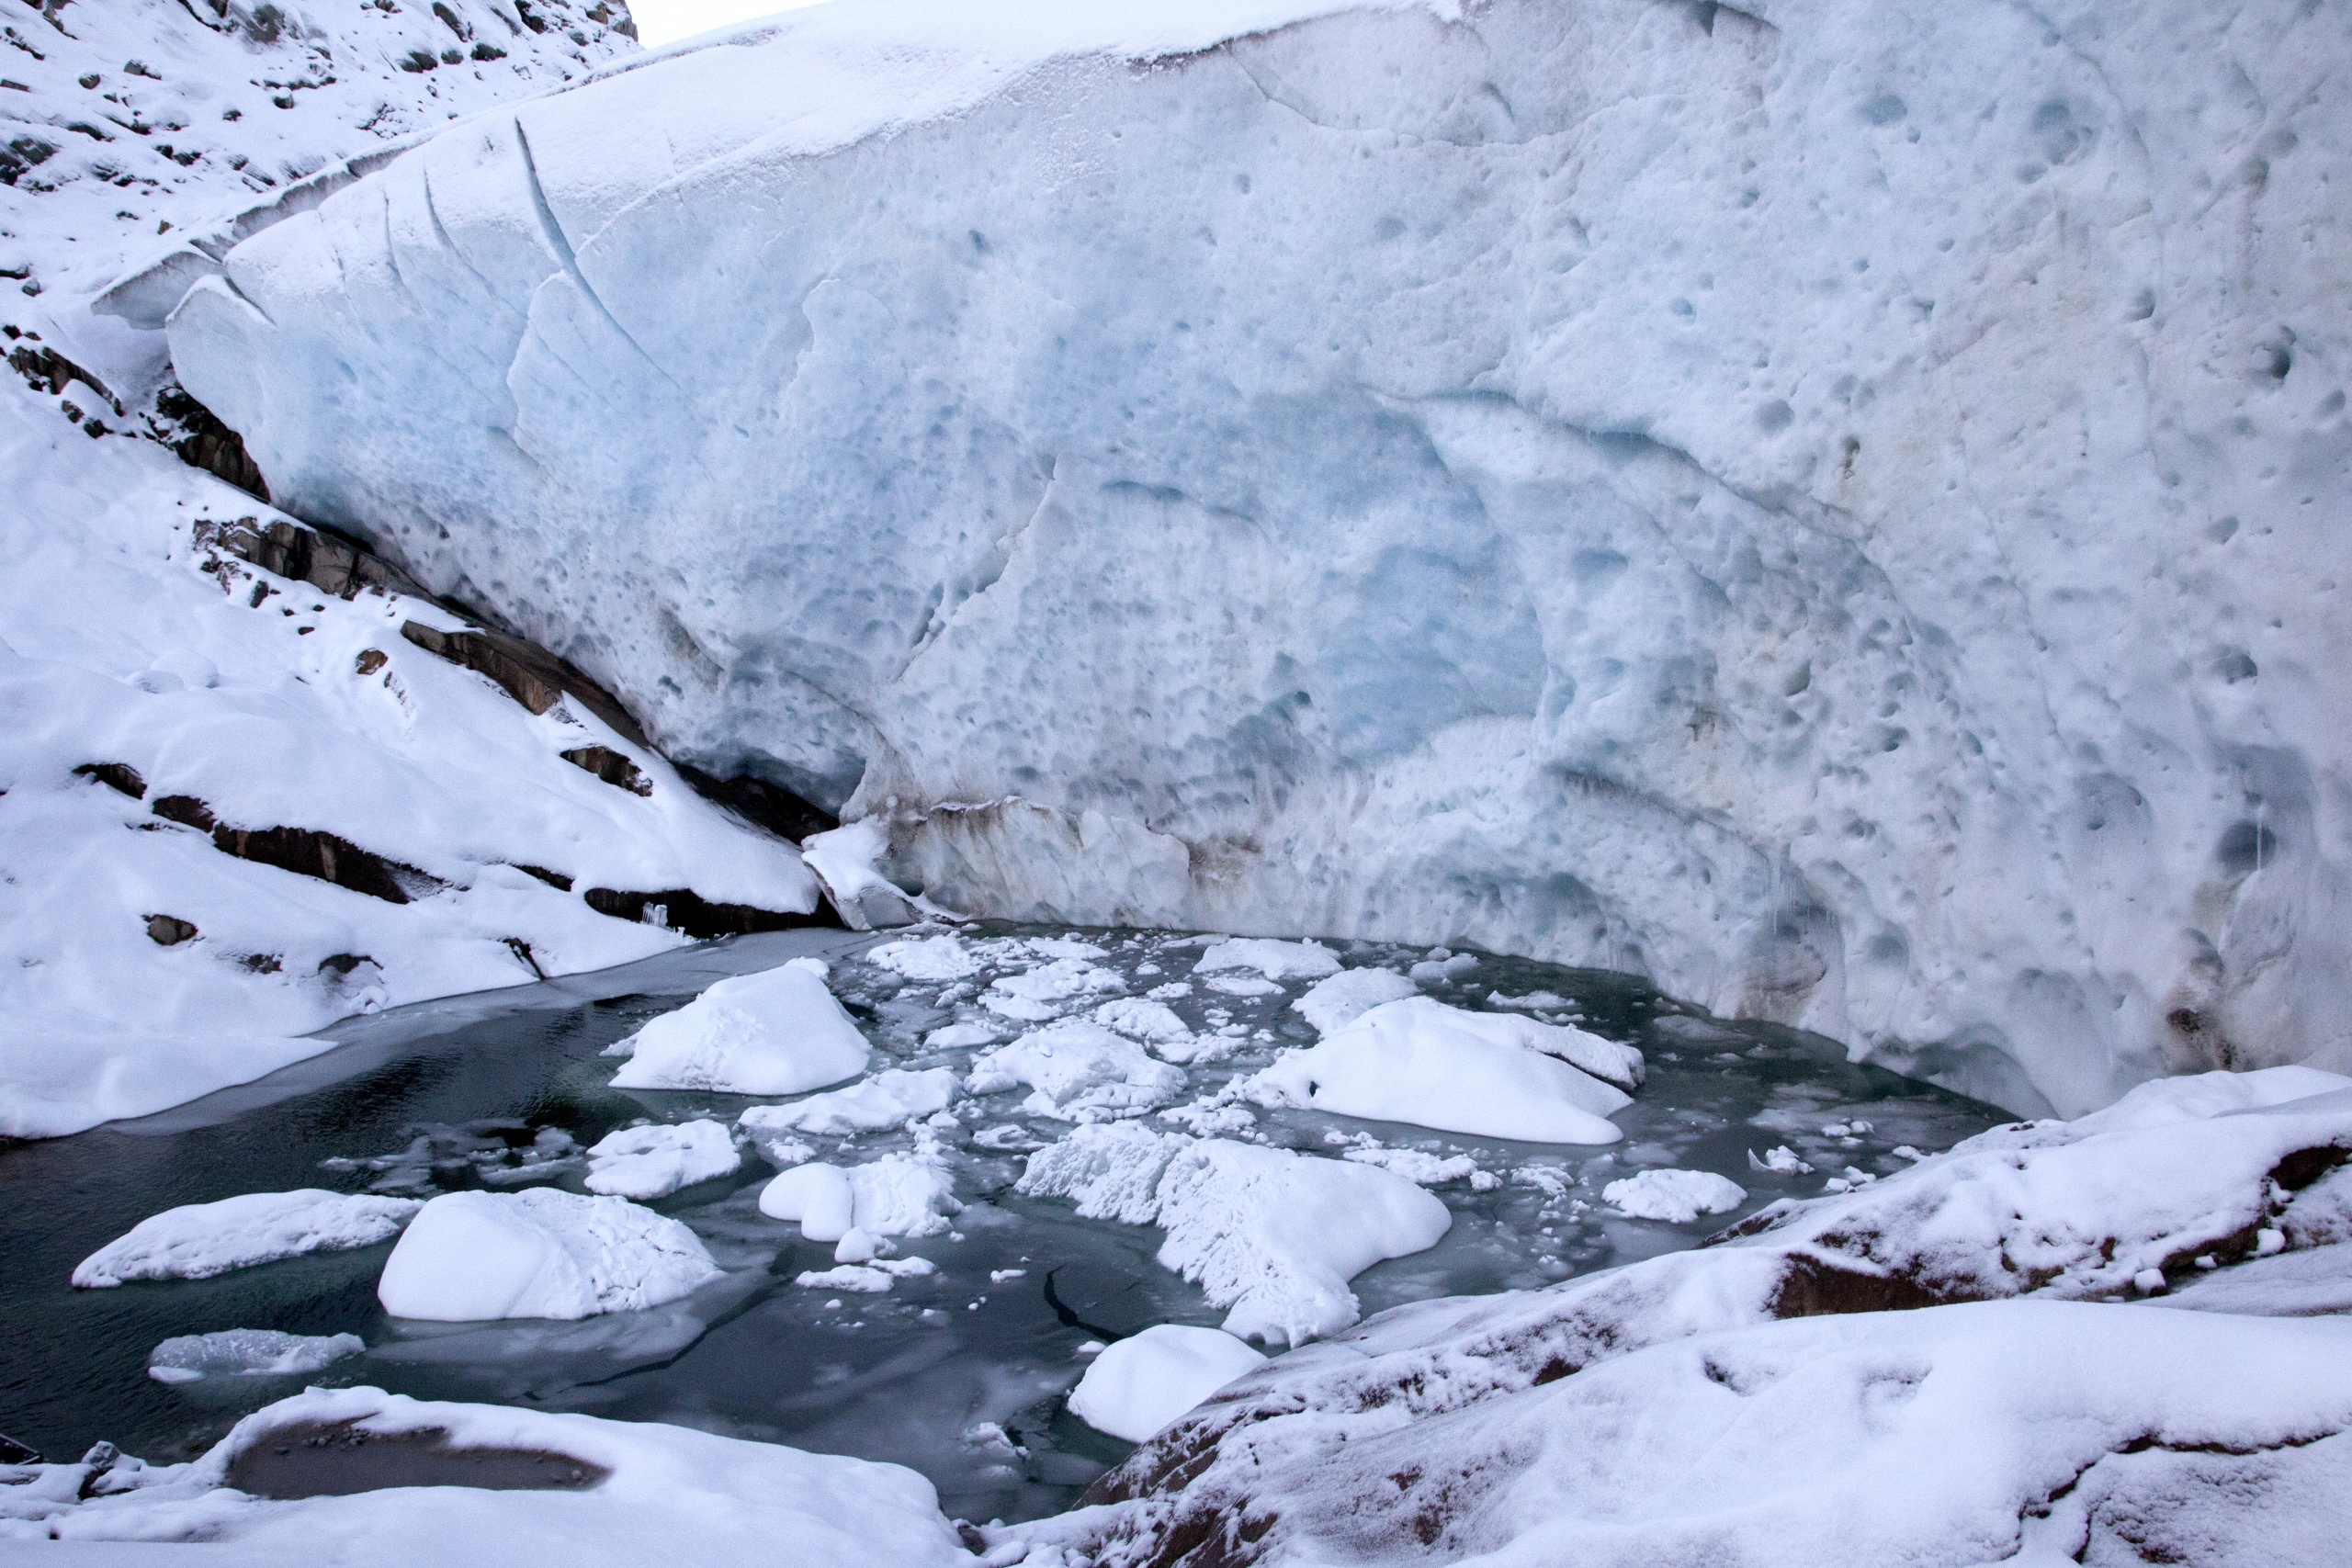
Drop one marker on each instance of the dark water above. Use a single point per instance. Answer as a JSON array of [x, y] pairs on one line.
[[960, 1374]]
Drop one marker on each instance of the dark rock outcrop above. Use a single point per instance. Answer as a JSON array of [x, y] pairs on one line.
[[761, 803], [610, 766], [306, 851], [120, 777], [530, 674], [681, 909], [190, 429], [169, 931]]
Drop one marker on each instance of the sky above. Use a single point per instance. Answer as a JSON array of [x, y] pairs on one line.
[[665, 21]]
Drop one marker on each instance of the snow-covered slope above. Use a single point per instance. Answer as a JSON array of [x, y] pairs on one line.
[[1838, 505], [235, 806]]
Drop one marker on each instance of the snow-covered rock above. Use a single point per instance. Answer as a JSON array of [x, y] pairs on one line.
[[1272, 1235], [470, 1257], [1142, 1383], [196, 1241], [658, 1492], [1814, 503], [247, 1352], [899, 1194], [1420, 1062], [653, 1162], [1078, 1072], [1676, 1197], [889, 1098], [1337, 1000], [779, 1032], [1860, 1435]]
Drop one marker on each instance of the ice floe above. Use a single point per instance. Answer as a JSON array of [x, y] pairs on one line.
[[889, 1098], [1676, 1197], [468, 1256], [1077, 1071], [247, 1352], [1337, 1000], [1140, 1383], [199, 1240], [655, 1161], [899, 1194], [779, 1032]]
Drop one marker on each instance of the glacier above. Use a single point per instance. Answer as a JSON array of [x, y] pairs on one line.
[[1837, 508]]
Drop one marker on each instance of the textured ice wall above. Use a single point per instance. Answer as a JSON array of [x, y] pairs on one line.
[[1840, 508]]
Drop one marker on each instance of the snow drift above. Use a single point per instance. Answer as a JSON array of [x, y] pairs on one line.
[[1836, 506]]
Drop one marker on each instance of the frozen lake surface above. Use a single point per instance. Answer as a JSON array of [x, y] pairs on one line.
[[961, 1373]]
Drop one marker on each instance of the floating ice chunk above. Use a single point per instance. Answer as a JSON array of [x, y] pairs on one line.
[[1535, 1001], [653, 1162], [1337, 1000], [889, 1098], [865, 1278], [1274, 960], [1780, 1161], [247, 1352], [1243, 986], [1416, 1166], [1676, 1197], [1154, 1024], [199, 1240], [1049, 990], [896, 1195], [1435, 970], [1276, 1235], [1141, 1384], [1080, 1071], [845, 860], [1421, 1061], [961, 1036], [1110, 1170], [779, 1032], [1209, 1119], [542, 1253], [926, 958]]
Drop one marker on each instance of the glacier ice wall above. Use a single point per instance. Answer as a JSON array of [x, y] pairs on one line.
[[1839, 506]]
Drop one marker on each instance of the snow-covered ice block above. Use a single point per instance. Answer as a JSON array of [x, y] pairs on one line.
[[931, 958], [199, 1240], [470, 1257], [655, 1161], [779, 1032], [1154, 1024], [1337, 1000], [889, 1099], [1417, 1166], [870, 1277], [247, 1352], [1050, 989], [1420, 1062], [1274, 960], [1276, 1235], [899, 1194], [1110, 1171], [1079, 1071], [668, 1494], [1676, 1197], [1142, 1383]]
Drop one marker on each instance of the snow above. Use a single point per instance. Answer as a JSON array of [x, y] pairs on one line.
[[1420, 1062], [653, 1162], [247, 1352], [844, 860], [889, 1098], [779, 1032], [1676, 1197], [541, 1252], [673, 1493], [1079, 1071], [1272, 1235], [1337, 1000], [1141, 1384], [899, 1194], [1830, 522], [925, 958], [1274, 960], [199, 1240]]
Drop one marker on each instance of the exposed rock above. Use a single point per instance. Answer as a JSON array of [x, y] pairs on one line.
[[46, 370], [308, 852], [681, 909], [189, 428], [327, 561], [530, 674], [170, 930], [184, 809], [554, 879], [369, 661], [15, 1453], [610, 766], [120, 777]]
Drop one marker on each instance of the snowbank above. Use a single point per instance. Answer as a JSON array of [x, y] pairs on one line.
[[889, 1098], [1586, 575], [199, 1240], [1141, 1384], [1420, 1062], [1272, 1235], [653, 1162], [542, 1253], [779, 1032], [1676, 1197], [667, 1492], [247, 1352], [1079, 1071]]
